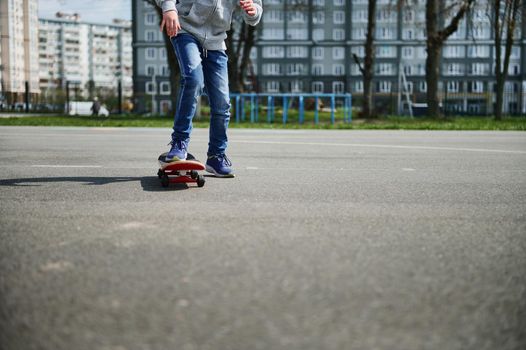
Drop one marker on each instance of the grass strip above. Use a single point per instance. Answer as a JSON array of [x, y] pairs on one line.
[[386, 123]]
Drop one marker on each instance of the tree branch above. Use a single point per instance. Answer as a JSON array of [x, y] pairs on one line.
[[357, 60], [453, 25]]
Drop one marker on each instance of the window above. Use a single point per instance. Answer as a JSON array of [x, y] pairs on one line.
[[358, 51], [453, 86], [359, 16], [318, 53], [339, 2], [339, 17], [318, 34], [423, 86], [514, 69], [273, 34], [408, 34], [318, 17], [477, 87], [358, 86], [273, 52], [149, 18], [338, 34], [297, 34], [150, 87], [253, 53], [408, 87], [383, 86], [479, 69], [150, 35], [317, 69], [338, 69], [272, 86], [317, 86], [295, 69], [272, 69], [409, 16], [150, 53], [385, 69], [408, 52], [165, 70], [165, 88], [386, 32], [454, 69], [454, 51], [273, 16], [297, 17], [359, 33], [338, 87], [421, 52], [296, 86], [481, 32], [297, 51], [478, 51], [386, 51], [338, 53], [150, 70]]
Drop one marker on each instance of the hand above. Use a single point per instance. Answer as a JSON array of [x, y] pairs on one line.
[[248, 7], [171, 22]]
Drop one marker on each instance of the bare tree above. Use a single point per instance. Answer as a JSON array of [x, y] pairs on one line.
[[367, 69], [436, 37], [506, 15], [239, 43]]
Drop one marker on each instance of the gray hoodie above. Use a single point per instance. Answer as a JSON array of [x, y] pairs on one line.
[[209, 20]]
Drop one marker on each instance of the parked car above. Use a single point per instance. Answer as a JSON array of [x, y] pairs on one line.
[[84, 109]]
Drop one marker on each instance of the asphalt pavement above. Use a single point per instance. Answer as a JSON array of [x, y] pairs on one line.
[[324, 240]]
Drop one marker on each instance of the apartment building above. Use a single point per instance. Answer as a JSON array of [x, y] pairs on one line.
[[307, 46], [86, 56], [151, 74], [18, 49]]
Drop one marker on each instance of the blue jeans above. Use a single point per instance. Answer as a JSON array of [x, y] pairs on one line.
[[202, 72]]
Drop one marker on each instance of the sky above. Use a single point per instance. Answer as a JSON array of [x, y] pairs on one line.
[[95, 11]]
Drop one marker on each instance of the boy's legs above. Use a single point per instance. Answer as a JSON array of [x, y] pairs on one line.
[[188, 52], [215, 69]]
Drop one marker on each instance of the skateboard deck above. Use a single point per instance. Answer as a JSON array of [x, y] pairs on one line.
[[181, 171]]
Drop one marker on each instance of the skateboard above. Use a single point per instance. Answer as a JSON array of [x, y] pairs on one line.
[[182, 171]]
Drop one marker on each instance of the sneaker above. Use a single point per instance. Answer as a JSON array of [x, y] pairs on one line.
[[219, 165], [177, 152]]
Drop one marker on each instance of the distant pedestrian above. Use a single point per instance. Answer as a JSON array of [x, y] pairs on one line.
[[95, 107], [198, 31]]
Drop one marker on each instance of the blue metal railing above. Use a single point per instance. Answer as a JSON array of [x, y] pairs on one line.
[[239, 101]]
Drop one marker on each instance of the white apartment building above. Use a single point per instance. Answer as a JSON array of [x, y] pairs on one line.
[[18, 49], [85, 56]]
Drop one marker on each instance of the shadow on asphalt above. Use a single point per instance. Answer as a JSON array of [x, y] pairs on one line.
[[148, 183]]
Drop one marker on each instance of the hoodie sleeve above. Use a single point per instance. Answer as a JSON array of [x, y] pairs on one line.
[[166, 5], [253, 20]]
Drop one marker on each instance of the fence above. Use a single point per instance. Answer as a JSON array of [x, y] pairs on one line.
[[55, 100], [458, 103], [292, 107]]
